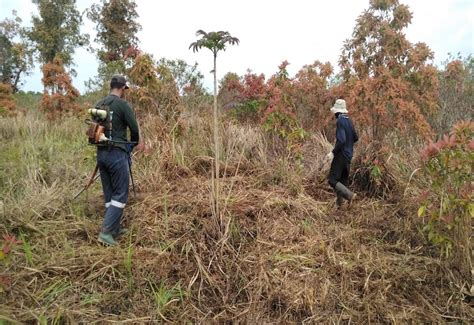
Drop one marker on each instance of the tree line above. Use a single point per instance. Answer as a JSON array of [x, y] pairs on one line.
[[388, 82]]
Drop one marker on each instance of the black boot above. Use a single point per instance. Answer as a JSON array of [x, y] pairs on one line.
[[344, 192]]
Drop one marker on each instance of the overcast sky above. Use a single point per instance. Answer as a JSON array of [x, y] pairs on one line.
[[270, 31]]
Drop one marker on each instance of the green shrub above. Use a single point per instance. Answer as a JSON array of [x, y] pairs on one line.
[[448, 202]]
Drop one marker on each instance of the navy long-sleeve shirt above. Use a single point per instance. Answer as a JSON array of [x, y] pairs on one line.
[[346, 136]]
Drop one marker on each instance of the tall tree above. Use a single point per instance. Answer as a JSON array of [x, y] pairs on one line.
[[56, 34], [390, 83], [56, 31], [16, 53], [215, 42], [117, 28], [116, 25]]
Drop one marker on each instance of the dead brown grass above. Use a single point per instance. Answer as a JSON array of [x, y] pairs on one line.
[[281, 253]]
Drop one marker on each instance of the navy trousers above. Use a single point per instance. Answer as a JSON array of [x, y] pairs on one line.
[[340, 168], [115, 176]]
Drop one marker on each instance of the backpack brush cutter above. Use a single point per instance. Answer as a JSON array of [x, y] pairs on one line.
[[100, 122]]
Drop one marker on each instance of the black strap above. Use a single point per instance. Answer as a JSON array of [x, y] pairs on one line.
[[109, 126]]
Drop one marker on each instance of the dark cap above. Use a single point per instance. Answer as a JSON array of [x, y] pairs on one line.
[[119, 80]]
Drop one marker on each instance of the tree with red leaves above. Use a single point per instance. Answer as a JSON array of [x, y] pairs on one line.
[[244, 97], [312, 95], [279, 113], [279, 116], [389, 83], [59, 94]]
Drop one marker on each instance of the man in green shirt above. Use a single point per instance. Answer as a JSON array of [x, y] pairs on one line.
[[113, 159]]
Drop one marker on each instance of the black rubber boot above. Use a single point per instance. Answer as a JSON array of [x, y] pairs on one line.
[[343, 191]]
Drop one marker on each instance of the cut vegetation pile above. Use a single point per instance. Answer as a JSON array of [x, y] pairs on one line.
[[280, 252]]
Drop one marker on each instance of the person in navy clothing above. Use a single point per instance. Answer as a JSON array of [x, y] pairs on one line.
[[342, 153]]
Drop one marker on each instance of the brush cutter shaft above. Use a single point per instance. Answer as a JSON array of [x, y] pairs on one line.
[[93, 178], [131, 174], [118, 141]]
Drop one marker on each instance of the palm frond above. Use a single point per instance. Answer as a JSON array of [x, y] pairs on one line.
[[202, 33], [232, 40], [196, 46], [214, 41]]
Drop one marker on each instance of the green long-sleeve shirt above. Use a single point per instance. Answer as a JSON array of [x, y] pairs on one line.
[[123, 117]]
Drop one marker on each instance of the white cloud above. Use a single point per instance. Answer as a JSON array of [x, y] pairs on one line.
[[300, 31]]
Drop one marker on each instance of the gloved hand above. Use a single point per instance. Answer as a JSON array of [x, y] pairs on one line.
[[329, 157]]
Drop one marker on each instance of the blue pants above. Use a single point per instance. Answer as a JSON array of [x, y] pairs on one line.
[[115, 176]]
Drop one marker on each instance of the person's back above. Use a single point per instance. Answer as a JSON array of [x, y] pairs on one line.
[[113, 159], [346, 136], [122, 118]]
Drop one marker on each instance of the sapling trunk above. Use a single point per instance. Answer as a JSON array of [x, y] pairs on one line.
[[216, 146]]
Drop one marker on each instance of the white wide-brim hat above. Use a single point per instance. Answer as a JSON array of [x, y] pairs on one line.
[[339, 107]]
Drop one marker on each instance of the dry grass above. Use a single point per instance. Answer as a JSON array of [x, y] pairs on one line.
[[280, 253]]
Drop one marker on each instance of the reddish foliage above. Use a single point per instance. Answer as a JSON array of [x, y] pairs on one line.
[[433, 148], [283, 65], [447, 166], [8, 242], [153, 88], [7, 104], [471, 145], [312, 95], [231, 90], [59, 94], [254, 87], [389, 83], [235, 90], [279, 114], [131, 52], [454, 71], [5, 282], [274, 101]]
